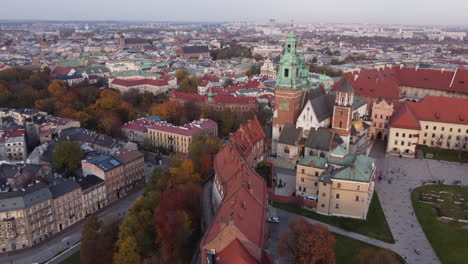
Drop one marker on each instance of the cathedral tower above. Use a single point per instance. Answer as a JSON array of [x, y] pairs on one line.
[[291, 84]]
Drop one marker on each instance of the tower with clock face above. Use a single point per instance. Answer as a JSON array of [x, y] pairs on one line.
[[291, 85]]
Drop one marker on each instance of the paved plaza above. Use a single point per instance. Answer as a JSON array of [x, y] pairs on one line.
[[395, 197]]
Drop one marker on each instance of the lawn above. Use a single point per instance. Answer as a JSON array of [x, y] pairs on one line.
[[346, 249], [445, 154], [73, 259], [374, 226], [448, 238]]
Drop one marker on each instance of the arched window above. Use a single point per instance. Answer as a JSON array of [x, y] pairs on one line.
[[341, 124]]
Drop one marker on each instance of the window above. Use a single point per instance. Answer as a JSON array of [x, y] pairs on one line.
[[337, 196], [357, 198], [286, 150], [427, 127], [323, 194], [396, 142], [337, 206], [402, 143], [302, 171], [409, 144], [358, 187], [341, 124], [435, 128], [316, 173], [443, 128], [324, 184], [425, 134], [424, 142], [300, 188], [403, 135], [323, 205], [304, 189], [315, 184], [433, 135], [302, 179], [286, 72], [410, 135], [397, 134], [341, 113]]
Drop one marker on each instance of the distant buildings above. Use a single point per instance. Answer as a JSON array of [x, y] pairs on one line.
[[142, 85], [194, 51]]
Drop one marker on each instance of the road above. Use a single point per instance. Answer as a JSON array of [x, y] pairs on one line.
[[72, 235]]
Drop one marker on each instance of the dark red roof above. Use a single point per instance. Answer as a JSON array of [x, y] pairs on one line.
[[384, 82], [130, 83], [61, 70]]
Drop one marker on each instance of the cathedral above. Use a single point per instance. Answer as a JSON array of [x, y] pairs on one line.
[[313, 121]]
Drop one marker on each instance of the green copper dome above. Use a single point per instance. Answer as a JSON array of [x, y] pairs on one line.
[[293, 72]]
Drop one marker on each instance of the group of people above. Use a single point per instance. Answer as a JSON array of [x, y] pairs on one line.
[[393, 173]]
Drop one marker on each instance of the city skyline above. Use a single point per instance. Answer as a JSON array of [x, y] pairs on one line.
[[418, 12]]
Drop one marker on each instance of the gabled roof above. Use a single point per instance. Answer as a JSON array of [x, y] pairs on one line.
[[290, 135], [405, 118], [345, 86], [235, 253], [320, 139]]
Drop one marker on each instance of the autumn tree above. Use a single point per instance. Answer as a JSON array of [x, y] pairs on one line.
[[67, 157], [305, 243], [202, 151], [181, 74], [228, 83], [89, 239], [189, 84], [168, 110], [57, 88], [128, 252], [371, 256], [177, 223]]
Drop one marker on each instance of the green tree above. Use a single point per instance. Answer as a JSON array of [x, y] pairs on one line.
[[228, 83], [67, 157], [189, 84], [128, 252]]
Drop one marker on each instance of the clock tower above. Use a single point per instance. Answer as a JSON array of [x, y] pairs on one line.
[[291, 85]]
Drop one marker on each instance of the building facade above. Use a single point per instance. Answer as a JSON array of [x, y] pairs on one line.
[[134, 168]]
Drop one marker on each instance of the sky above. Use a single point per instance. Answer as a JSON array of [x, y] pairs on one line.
[[419, 12]]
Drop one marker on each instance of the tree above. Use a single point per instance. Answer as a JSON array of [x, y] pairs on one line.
[[57, 88], [202, 151], [461, 145], [89, 238], [181, 74], [254, 70], [314, 59], [371, 256], [67, 157], [128, 252], [189, 84], [305, 243], [228, 83]]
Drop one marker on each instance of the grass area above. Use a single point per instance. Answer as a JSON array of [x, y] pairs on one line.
[[446, 154], [448, 238], [346, 249], [73, 259], [374, 226]]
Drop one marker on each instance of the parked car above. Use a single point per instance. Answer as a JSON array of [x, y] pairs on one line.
[[310, 198], [273, 219]]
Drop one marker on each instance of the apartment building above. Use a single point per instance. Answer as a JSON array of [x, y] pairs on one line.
[[67, 203], [109, 169], [93, 191], [134, 168], [179, 138]]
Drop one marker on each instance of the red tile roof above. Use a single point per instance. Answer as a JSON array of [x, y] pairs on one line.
[[244, 203], [217, 99], [61, 70], [235, 253], [384, 82], [130, 83], [188, 130], [431, 108], [141, 125], [210, 78]]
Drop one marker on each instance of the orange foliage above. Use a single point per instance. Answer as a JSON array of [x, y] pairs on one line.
[[167, 109], [306, 243], [57, 88]]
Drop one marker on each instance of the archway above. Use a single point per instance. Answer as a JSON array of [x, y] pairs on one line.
[[379, 135]]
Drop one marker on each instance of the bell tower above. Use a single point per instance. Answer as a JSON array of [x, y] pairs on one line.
[[291, 84], [343, 111]]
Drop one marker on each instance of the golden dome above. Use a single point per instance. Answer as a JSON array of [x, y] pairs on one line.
[[358, 125]]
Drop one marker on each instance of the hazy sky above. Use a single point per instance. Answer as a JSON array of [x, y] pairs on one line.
[[450, 12]]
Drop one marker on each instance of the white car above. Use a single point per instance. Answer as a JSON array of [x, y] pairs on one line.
[[310, 198], [273, 219]]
